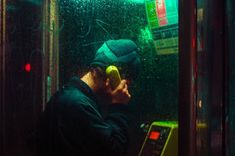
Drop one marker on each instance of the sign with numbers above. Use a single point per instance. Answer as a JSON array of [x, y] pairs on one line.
[[163, 22]]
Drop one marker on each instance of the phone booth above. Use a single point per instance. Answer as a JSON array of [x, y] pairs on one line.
[[183, 100]]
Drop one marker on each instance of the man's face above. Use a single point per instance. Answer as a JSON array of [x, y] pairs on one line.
[[104, 93]]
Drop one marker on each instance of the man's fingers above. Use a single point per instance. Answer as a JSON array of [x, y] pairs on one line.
[[122, 84], [127, 93], [108, 86], [125, 88], [121, 93]]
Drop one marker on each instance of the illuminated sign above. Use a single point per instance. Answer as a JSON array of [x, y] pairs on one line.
[[163, 22], [161, 12]]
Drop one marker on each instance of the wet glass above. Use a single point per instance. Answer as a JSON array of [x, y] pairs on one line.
[[85, 25]]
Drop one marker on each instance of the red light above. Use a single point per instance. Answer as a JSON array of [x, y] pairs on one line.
[[154, 135], [27, 67], [194, 42]]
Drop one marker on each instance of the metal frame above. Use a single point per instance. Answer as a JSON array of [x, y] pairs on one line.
[[2, 73], [216, 48], [187, 77], [50, 49]]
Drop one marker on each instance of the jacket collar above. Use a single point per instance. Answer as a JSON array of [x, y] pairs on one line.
[[78, 83]]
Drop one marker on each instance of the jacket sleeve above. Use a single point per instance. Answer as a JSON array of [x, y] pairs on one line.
[[83, 125]]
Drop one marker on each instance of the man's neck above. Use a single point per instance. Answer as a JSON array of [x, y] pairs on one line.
[[88, 79]]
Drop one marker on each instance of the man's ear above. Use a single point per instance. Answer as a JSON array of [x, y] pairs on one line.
[[94, 74], [97, 74]]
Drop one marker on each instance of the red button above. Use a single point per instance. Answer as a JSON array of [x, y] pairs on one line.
[[154, 135]]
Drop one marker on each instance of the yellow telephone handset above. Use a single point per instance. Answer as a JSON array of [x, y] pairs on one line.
[[113, 75]]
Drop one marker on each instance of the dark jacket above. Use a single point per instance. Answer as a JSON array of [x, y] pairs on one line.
[[72, 125]]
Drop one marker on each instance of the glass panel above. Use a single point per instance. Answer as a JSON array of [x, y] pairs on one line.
[[85, 25]]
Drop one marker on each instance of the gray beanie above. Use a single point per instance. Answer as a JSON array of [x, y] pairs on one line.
[[121, 53]]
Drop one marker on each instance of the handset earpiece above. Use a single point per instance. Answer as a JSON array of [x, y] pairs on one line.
[[113, 75]]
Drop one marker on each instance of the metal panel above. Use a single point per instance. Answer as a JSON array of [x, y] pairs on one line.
[[50, 49], [230, 113]]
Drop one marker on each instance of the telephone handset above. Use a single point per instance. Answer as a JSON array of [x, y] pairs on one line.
[[113, 75]]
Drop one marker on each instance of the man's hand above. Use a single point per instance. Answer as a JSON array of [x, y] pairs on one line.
[[121, 94]]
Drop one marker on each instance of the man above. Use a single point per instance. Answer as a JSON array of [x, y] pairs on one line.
[[72, 123]]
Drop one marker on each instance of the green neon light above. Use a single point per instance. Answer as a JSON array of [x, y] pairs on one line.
[[137, 1], [162, 16], [145, 35]]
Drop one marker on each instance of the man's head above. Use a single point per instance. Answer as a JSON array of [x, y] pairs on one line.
[[121, 53]]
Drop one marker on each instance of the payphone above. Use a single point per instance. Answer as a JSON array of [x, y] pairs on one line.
[[161, 139]]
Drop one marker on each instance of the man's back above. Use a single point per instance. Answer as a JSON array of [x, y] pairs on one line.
[[72, 125]]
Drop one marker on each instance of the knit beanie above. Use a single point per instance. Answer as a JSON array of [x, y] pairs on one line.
[[121, 53]]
